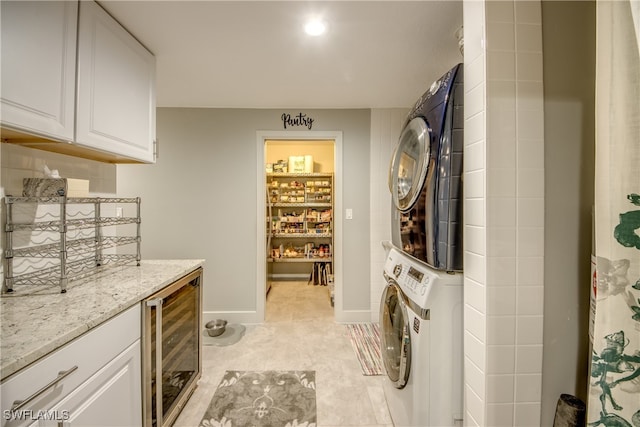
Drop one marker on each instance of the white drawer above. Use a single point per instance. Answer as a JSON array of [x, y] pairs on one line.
[[89, 353]]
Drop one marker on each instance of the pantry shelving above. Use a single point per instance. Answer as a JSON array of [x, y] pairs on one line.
[[300, 217], [52, 240]]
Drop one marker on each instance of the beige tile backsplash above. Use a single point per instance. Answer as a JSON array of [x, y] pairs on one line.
[[20, 162]]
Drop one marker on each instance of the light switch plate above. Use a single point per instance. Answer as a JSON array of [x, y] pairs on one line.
[[349, 214]]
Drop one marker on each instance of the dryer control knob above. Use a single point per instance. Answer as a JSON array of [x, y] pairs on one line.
[[397, 270]]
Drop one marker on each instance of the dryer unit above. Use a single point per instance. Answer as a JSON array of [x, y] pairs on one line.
[[425, 176]]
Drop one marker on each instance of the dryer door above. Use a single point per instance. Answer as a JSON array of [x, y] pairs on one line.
[[395, 336], [409, 164]]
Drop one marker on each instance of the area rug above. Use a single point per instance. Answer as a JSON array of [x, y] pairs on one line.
[[263, 399], [365, 340]]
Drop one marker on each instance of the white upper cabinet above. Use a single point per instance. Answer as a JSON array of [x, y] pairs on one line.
[[116, 87], [39, 67], [72, 73]]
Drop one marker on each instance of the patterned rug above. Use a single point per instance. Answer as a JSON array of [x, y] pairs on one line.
[[365, 340], [263, 399]]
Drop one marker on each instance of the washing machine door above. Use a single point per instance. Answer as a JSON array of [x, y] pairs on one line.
[[395, 337], [409, 164]]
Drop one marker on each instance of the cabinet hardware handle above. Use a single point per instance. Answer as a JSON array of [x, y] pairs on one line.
[[157, 303], [159, 360], [19, 404]]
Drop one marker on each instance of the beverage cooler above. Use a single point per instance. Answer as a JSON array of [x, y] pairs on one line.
[[172, 349]]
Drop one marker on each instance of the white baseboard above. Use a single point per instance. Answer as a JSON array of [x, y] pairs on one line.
[[251, 317], [289, 276], [243, 317], [353, 316]]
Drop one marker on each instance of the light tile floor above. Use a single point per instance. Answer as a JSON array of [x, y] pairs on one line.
[[299, 334]]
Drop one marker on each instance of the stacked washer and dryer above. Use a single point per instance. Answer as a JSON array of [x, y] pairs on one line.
[[421, 312]]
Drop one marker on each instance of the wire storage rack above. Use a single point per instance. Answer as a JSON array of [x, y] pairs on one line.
[[52, 240]]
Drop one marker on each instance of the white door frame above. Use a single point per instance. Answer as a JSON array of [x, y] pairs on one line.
[[261, 259]]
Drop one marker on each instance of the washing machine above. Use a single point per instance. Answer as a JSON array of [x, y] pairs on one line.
[[425, 176], [421, 342]]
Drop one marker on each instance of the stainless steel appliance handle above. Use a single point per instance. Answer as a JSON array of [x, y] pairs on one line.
[[157, 303], [19, 404]]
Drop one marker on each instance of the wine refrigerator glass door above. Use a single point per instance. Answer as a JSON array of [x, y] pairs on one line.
[[172, 349]]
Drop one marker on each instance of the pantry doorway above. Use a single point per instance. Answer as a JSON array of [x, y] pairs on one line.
[[299, 215]]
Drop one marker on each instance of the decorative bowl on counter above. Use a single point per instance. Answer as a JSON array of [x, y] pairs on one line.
[[216, 327]]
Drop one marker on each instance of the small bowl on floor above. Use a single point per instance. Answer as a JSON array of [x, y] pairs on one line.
[[216, 327]]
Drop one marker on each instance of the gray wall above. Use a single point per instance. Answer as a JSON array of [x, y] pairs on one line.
[[199, 199], [569, 91]]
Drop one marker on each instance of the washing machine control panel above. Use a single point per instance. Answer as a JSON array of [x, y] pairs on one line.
[[397, 270], [410, 276], [415, 274], [412, 279], [415, 279]]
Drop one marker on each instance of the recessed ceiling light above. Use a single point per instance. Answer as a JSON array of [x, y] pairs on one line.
[[315, 28]]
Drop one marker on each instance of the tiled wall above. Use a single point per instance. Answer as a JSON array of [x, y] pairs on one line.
[[20, 162], [504, 211], [386, 125], [475, 258]]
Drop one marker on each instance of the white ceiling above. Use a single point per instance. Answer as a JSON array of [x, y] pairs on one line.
[[254, 54]]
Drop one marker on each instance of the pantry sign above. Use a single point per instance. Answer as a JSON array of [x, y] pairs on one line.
[[298, 120]]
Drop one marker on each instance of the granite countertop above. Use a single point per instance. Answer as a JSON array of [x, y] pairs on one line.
[[34, 324]]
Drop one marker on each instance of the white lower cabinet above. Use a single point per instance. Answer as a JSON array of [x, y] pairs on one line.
[[94, 380], [110, 398]]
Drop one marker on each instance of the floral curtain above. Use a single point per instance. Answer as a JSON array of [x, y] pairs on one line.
[[614, 392]]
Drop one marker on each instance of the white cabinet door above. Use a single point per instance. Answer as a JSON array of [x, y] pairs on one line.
[[112, 397], [116, 87], [39, 67], [81, 379]]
